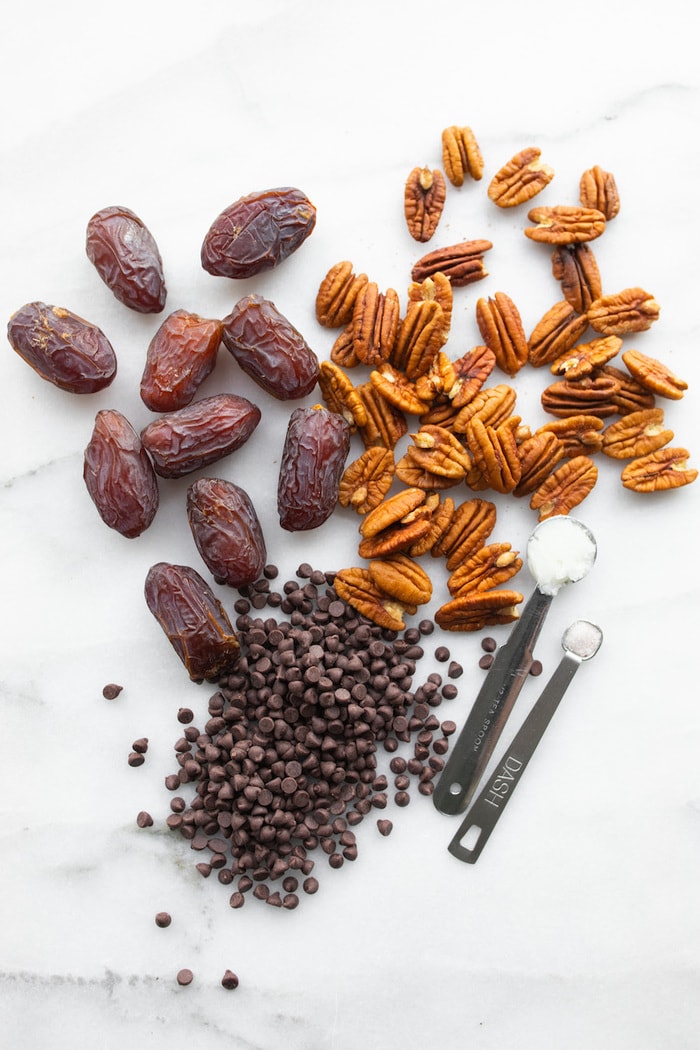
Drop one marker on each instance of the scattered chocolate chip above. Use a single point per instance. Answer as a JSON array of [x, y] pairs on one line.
[[112, 691], [310, 885], [185, 715], [402, 798], [163, 919], [449, 692], [536, 668], [448, 727], [455, 670], [442, 654], [385, 827], [229, 980], [489, 645], [135, 759], [486, 661], [144, 819], [140, 745], [184, 977], [237, 899]]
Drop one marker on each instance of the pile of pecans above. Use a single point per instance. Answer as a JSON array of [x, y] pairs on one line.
[[468, 435]]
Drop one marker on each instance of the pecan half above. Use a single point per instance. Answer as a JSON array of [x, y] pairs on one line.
[[576, 269], [654, 375], [461, 263], [593, 396], [472, 522], [396, 388], [565, 488], [636, 434], [539, 455], [564, 224], [337, 293], [418, 339], [578, 434], [632, 310], [343, 349], [439, 379], [493, 406], [495, 452], [402, 578], [555, 333], [375, 322], [520, 179], [355, 587], [423, 202], [439, 454], [439, 288], [630, 395], [471, 372], [441, 511], [598, 189], [385, 423], [461, 155], [340, 394], [366, 481], [487, 568], [479, 609], [502, 330], [392, 511], [667, 468], [583, 358]]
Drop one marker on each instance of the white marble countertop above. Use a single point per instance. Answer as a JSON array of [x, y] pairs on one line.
[[579, 927]]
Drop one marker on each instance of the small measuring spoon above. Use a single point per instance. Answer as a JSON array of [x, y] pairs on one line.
[[560, 550], [581, 641]]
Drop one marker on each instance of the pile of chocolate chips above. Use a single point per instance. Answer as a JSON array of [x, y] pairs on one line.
[[286, 765]]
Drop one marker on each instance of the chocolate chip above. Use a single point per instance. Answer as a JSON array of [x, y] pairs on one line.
[[144, 819], [229, 980], [449, 692], [536, 668], [310, 885], [135, 759], [140, 745], [112, 691], [184, 977], [442, 654], [385, 827], [185, 715], [486, 661], [163, 919], [455, 670], [489, 645]]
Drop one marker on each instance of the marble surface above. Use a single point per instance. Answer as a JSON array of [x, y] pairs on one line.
[[580, 924]]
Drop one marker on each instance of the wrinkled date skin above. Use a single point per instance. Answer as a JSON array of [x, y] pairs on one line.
[[179, 358], [226, 531], [193, 619], [126, 256], [199, 434], [269, 349], [257, 232], [315, 449], [68, 351], [119, 475]]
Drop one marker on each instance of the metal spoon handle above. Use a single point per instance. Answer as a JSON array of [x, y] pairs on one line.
[[477, 740], [483, 815]]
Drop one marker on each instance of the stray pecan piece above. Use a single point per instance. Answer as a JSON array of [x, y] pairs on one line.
[[502, 330], [424, 200], [471, 372], [472, 522], [632, 310], [340, 395], [355, 587], [375, 322], [594, 395], [337, 293], [577, 434], [489, 567], [636, 434], [461, 263], [385, 423], [439, 288], [539, 455], [582, 359], [654, 375], [520, 179], [598, 189], [565, 488], [479, 609], [397, 389], [495, 453], [461, 155], [666, 468], [576, 269], [419, 338], [564, 224], [366, 481], [401, 578], [555, 333]]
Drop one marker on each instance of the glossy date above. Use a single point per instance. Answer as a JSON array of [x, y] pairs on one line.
[[257, 232], [193, 619], [180, 356], [66, 350], [270, 349], [199, 434], [125, 254], [119, 475], [315, 449], [226, 531]]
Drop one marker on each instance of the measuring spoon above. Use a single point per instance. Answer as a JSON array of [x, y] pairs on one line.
[[581, 641], [560, 550]]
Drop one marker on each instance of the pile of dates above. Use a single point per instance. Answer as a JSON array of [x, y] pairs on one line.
[[122, 467]]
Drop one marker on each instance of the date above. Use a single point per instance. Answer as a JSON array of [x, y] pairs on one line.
[[125, 254], [193, 619], [316, 446], [226, 531], [119, 475], [63, 348], [269, 349], [199, 434], [257, 232], [180, 356]]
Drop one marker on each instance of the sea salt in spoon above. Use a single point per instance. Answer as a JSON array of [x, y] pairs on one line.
[[581, 641], [560, 550]]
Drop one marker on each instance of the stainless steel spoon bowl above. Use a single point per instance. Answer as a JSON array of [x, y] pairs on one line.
[[560, 550]]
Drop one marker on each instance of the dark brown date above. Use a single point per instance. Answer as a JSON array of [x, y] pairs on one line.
[[315, 449], [180, 356], [61, 347], [119, 475], [257, 232], [126, 256], [226, 531], [269, 349], [199, 434], [193, 619]]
